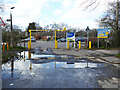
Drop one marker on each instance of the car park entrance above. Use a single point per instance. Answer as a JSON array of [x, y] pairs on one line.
[[29, 42]]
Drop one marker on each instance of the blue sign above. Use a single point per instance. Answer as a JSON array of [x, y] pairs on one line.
[[70, 36], [102, 33]]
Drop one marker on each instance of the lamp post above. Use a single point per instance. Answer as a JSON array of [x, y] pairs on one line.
[[11, 26], [87, 29]]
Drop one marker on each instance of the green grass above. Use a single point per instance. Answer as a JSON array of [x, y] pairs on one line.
[[118, 55], [16, 48]]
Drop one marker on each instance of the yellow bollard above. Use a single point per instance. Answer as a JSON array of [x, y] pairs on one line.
[[56, 45], [79, 44], [3, 47], [68, 45], [89, 44], [7, 46]]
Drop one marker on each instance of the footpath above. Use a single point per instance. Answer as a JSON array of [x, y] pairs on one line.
[[99, 55]]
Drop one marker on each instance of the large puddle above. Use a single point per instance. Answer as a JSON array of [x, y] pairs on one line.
[[24, 62], [37, 64]]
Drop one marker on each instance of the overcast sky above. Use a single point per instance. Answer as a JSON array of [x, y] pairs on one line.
[[45, 12]]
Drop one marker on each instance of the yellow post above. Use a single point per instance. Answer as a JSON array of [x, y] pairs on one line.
[[55, 40], [3, 47], [7, 46], [89, 44], [56, 45], [79, 44], [67, 44], [28, 44], [30, 38]]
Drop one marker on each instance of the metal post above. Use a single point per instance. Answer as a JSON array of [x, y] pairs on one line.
[[79, 44], [87, 38], [98, 42], [55, 40], [67, 44], [66, 40], [29, 45], [11, 30], [30, 38]]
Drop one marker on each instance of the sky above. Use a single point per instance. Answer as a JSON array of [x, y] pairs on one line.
[[45, 12]]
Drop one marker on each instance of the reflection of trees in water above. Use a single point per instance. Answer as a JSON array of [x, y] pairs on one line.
[[7, 56]]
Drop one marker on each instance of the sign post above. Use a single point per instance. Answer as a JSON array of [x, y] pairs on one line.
[[102, 33]]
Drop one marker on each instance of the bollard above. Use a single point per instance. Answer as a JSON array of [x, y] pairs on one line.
[[68, 45], [7, 46], [56, 45], [3, 47], [89, 44], [79, 44]]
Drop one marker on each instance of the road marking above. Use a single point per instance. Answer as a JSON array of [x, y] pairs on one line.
[[51, 58], [91, 57], [77, 57], [64, 57]]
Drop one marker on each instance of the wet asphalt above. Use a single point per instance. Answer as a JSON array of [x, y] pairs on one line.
[[54, 73]]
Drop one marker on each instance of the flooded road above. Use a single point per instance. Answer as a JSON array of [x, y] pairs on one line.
[[25, 72]]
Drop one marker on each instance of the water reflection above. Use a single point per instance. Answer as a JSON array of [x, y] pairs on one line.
[[28, 54], [29, 57], [12, 67], [29, 65], [87, 65]]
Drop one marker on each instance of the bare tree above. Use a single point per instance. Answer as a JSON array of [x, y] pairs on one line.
[[93, 4], [2, 5], [112, 20]]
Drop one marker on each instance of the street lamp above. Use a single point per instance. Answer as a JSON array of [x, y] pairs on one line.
[[87, 29], [11, 25]]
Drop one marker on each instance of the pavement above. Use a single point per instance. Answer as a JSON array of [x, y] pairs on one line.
[[91, 54]]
